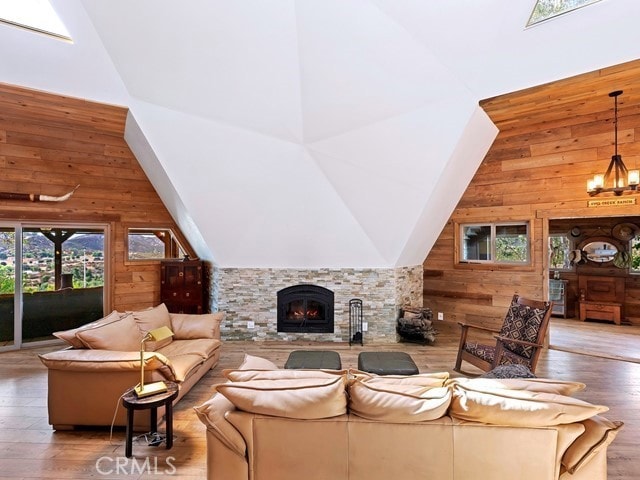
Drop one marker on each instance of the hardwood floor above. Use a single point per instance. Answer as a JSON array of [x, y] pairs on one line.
[[29, 448], [601, 339]]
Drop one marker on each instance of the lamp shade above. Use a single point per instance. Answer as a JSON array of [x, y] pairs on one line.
[[158, 334]]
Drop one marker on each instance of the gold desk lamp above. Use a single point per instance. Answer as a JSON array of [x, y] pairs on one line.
[[141, 389]]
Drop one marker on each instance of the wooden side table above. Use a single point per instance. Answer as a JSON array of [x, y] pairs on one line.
[[131, 402]]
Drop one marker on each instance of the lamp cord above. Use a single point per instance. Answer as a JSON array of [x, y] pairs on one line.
[[113, 420], [156, 438]]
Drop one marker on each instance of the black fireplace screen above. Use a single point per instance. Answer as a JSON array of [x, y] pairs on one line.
[[306, 309]]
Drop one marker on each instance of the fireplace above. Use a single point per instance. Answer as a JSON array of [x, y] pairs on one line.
[[305, 309]]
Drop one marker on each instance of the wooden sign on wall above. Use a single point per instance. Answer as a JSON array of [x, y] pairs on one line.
[[611, 202]]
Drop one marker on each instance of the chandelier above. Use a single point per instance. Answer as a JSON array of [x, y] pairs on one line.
[[614, 178]]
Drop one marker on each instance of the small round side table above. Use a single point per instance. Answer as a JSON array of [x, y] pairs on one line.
[[131, 402]]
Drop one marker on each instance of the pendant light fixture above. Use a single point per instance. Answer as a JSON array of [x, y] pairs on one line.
[[617, 179]]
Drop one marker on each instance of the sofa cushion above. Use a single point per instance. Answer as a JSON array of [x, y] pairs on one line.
[[522, 323], [517, 407], [204, 347], [251, 362], [123, 335], [513, 370], [436, 379], [153, 318], [302, 398], [185, 365], [599, 433], [398, 402], [69, 336], [188, 326], [245, 375], [543, 385]]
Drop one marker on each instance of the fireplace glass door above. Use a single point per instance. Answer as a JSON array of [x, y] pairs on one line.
[[306, 309]]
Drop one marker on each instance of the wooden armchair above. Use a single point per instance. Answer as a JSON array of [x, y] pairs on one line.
[[519, 341]]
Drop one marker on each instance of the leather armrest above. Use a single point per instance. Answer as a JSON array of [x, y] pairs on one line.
[[212, 414], [599, 433], [84, 360]]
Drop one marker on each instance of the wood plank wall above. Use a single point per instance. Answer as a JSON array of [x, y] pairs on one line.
[[51, 143], [552, 139]]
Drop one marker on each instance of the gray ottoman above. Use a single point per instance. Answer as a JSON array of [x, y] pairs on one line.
[[387, 363], [325, 359]]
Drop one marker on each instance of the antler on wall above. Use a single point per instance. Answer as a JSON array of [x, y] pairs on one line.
[[35, 197]]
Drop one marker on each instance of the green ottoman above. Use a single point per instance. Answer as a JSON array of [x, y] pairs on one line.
[[387, 363], [324, 359]]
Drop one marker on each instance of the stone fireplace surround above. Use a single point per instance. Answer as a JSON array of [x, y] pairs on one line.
[[250, 294]]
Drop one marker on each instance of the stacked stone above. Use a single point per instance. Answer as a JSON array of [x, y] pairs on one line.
[[250, 295]]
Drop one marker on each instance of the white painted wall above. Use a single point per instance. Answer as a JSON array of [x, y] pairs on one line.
[[80, 69], [150, 163]]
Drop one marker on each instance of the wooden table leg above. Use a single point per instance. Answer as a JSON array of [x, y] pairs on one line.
[[129, 433], [168, 415], [153, 420]]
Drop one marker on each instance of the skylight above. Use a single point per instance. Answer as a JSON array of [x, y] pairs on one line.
[[36, 15], [547, 9]]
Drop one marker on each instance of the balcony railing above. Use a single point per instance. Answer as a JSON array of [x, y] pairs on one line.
[[50, 311]]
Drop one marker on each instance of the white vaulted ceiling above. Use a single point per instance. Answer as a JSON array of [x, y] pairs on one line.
[[314, 133]]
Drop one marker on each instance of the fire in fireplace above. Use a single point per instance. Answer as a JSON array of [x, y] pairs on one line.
[[305, 309]]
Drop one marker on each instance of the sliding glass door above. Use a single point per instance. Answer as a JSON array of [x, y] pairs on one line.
[[7, 285], [52, 278]]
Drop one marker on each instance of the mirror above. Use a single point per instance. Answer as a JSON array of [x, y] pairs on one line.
[[600, 251]]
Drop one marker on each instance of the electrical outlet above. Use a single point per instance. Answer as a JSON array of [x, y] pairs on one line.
[[365, 326], [440, 316], [251, 324]]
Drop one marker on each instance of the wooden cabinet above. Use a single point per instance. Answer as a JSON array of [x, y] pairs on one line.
[[183, 287], [602, 298]]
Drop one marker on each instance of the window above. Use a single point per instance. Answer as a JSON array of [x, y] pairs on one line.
[[153, 244], [52, 277], [503, 243], [36, 15], [559, 249], [7, 261], [547, 9], [635, 255], [55, 258]]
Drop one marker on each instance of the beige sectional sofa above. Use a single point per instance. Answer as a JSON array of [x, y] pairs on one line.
[[102, 361], [269, 424]]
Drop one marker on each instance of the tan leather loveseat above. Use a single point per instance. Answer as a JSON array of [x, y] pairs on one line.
[[288, 425], [87, 379]]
